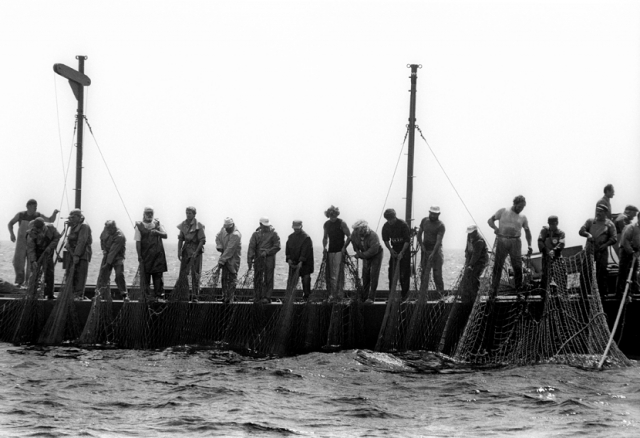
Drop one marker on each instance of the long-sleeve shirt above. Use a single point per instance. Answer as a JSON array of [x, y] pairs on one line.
[[79, 241], [114, 245], [193, 236], [230, 244], [476, 251], [630, 240], [299, 249], [551, 240], [603, 232], [368, 244], [263, 240], [40, 240]]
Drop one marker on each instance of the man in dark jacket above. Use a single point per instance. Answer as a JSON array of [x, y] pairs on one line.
[[42, 240], [600, 233], [299, 253], [476, 258], [113, 245], [263, 246], [151, 256], [396, 236], [79, 242]]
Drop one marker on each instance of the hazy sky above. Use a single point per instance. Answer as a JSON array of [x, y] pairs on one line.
[[282, 108]]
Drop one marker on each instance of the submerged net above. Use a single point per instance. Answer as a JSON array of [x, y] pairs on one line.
[[62, 324], [98, 324], [564, 323]]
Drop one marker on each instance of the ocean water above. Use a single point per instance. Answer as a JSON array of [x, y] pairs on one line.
[[53, 392]]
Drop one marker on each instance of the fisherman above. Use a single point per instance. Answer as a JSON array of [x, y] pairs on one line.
[[366, 244], [23, 219], [229, 244], [42, 240], [621, 221], [299, 254], [191, 240], [263, 246], [336, 232], [508, 242], [151, 256], [629, 246], [609, 192], [550, 244], [396, 236], [79, 250], [600, 233], [113, 244], [476, 258], [432, 257]]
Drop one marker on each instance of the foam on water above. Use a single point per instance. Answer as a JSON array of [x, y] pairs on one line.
[[188, 392]]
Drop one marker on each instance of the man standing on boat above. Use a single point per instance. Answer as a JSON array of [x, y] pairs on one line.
[[609, 192], [23, 219], [367, 246], [396, 236], [191, 240], [624, 219], [336, 232], [629, 246], [600, 233], [150, 249], [432, 257], [42, 240], [263, 246], [79, 242], [476, 258], [508, 243], [299, 254], [113, 244], [229, 244], [550, 244]]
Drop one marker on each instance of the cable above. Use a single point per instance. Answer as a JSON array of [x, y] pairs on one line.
[[392, 178]]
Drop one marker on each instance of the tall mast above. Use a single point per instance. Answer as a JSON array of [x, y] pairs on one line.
[[412, 132], [80, 118], [77, 80]]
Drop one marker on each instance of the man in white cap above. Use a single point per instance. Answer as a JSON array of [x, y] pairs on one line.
[[151, 256], [229, 244], [366, 244], [263, 246], [79, 242], [299, 253], [476, 258], [432, 257], [509, 230]]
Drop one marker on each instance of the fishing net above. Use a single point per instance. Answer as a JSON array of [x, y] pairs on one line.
[[564, 323], [22, 319], [62, 324], [98, 324]]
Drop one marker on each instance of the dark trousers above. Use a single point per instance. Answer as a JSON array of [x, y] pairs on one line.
[[471, 282], [229, 280], [192, 266], [405, 273], [158, 283], [371, 274], [626, 260], [436, 266], [306, 282], [47, 266], [263, 280], [120, 281], [80, 278], [512, 248], [601, 258]]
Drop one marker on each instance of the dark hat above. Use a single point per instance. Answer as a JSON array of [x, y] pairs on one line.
[[389, 213], [603, 208], [332, 211], [38, 222], [552, 218]]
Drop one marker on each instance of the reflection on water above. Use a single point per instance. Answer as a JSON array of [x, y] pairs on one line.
[[185, 392]]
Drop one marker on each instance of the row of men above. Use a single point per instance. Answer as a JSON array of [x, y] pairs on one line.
[[265, 243]]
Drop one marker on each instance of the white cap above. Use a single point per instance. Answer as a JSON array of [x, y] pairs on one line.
[[471, 228], [434, 209], [264, 221]]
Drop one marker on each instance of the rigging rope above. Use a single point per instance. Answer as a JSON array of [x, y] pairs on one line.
[[392, 178], [108, 170], [449, 179]]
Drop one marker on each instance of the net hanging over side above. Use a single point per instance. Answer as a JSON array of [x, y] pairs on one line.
[[97, 326], [564, 323]]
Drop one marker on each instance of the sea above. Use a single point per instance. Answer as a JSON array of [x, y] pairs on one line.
[[185, 391]]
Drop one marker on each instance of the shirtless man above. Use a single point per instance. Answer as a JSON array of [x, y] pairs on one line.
[[508, 233]]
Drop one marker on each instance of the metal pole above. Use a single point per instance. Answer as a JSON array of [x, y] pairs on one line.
[[412, 132], [80, 118]]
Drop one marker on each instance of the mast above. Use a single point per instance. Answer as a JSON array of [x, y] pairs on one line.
[[412, 132], [77, 80], [80, 118]]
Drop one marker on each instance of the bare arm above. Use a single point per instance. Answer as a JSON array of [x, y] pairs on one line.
[[12, 222]]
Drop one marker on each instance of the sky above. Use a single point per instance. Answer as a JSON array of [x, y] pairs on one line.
[[280, 109]]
